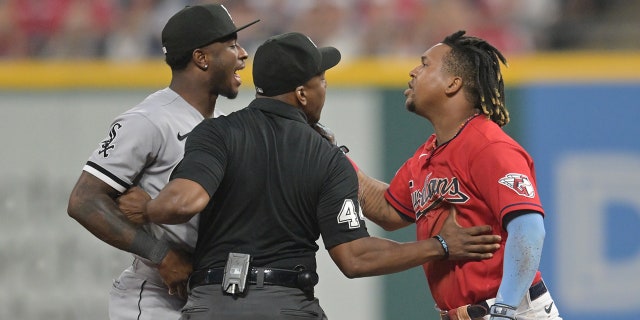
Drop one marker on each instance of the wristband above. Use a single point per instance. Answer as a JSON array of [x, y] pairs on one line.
[[502, 310], [149, 247], [444, 246]]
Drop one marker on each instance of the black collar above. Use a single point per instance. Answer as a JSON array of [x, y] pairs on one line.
[[279, 108]]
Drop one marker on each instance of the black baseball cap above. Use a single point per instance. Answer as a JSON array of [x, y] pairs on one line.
[[288, 60], [197, 26]]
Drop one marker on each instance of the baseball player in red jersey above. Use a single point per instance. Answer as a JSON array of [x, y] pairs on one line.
[[472, 164]]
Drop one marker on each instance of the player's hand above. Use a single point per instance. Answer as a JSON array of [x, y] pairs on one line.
[[174, 270], [132, 204], [473, 243], [325, 132]]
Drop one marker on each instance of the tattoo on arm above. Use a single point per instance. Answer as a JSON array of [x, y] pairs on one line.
[[371, 197]]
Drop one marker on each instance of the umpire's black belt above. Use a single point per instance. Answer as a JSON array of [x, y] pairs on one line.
[[259, 276], [481, 309]]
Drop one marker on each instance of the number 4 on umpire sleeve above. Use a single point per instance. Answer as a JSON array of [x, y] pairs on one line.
[[350, 214]]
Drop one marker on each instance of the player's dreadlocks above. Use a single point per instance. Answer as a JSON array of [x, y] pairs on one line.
[[478, 63]]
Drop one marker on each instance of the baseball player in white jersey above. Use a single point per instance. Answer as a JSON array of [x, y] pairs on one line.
[[149, 137], [143, 146]]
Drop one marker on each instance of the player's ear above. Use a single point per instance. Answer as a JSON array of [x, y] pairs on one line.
[[454, 85], [200, 59]]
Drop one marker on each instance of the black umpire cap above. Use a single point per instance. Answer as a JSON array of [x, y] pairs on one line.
[[288, 60]]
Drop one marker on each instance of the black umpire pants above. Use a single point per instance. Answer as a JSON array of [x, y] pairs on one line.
[[258, 303]]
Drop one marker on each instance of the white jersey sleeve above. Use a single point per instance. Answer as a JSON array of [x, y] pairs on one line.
[[132, 145], [142, 147]]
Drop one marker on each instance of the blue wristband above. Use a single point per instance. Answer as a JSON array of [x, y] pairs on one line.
[[444, 246]]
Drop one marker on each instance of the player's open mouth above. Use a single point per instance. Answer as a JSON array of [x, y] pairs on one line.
[[236, 75]]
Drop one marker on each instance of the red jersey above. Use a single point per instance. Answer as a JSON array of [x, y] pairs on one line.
[[485, 174]]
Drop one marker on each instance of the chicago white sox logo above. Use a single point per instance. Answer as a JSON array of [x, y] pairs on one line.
[[106, 144]]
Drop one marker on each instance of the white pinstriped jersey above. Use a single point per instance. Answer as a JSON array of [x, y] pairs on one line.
[[142, 147]]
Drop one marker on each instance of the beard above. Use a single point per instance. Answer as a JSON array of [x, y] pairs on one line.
[[410, 105], [223, 86], [226, 89], [229, 94]]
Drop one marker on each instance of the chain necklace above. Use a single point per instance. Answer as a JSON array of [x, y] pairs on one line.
[[433, 145]]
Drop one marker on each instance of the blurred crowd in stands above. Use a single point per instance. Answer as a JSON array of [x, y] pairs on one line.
[[130, 29]]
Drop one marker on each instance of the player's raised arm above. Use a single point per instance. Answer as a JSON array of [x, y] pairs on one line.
[[375, 207]]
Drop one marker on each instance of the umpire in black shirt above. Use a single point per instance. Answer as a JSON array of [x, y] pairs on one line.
[[267, 186]]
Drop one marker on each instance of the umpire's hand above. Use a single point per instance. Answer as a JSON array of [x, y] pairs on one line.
[[132, 203], [474, 243]]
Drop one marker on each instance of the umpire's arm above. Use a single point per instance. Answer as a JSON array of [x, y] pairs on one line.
[[371, 256], [177, 202]]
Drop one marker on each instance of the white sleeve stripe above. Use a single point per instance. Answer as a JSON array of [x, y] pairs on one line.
[[104, 178]]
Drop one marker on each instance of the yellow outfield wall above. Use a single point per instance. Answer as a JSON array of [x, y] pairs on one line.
[[380, 71]]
